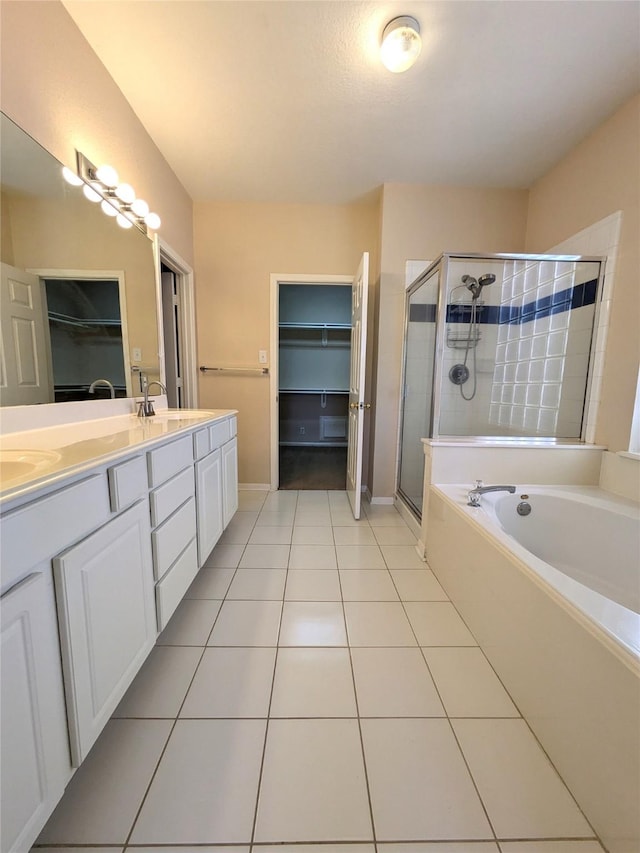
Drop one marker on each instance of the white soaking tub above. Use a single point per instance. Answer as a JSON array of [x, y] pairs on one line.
[[552, 598]]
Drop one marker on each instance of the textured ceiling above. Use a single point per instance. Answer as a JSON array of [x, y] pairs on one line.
[[288, 101]]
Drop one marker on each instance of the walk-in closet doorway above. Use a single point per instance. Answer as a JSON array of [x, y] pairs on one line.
[[311, 370]]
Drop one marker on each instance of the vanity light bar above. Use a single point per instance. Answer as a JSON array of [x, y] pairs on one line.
[[102, 184]]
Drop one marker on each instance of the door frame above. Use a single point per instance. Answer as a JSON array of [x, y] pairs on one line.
[[92, 275], [185, 288], [277, 279]]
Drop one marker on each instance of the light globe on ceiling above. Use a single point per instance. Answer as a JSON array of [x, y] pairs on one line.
[[401, 43]]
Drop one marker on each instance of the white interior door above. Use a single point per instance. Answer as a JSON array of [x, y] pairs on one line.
[[357, 404], [24, 365]]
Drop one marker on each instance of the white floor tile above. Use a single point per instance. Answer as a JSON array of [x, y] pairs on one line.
[[389, 518], [101, 800], [420, 787], [313, 517], [418, 585], [313, 683], [181, 849], [210, 583], [75, 849], [437, 623], [313, 585], [360, 557], [312, 557], [276, 518], [523, 794], [191, 623], [354, 535], [343, 517], [312, 535], [276, 501], [332, 803], [312, 623], [247, 623], [392, 535], [401, 557], [258, 584], [551, 847], [205, 789], [367, 585], [315, 848], [394, 683], [239, 529], [271, 536], [467, 683], [439, 847], [378, 624], [161, 685], [231, 682], [249, 499], [265, 557], [224, 556]]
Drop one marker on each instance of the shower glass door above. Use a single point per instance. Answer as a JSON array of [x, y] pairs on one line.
[[417, 390]]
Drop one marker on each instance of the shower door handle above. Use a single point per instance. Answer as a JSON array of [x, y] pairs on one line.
[[359, 405]]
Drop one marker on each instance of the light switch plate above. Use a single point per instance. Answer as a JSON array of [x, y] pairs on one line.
[[262, 356], [136, 354]]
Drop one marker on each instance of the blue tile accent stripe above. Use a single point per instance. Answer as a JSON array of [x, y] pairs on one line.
[[564, 300]]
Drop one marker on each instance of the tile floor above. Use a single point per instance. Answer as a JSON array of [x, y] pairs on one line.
[[316, 686]]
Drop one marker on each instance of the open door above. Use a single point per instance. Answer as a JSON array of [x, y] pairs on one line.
[[25, 374], [357, 404]]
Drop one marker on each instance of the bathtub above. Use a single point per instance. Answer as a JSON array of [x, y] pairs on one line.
[[552, 598]]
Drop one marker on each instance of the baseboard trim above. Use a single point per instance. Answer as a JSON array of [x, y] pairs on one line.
[[255, 487]]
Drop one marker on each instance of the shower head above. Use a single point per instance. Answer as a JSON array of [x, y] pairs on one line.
[[475, 285]]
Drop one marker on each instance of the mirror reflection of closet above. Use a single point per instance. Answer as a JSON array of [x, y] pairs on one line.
[[314, 363]]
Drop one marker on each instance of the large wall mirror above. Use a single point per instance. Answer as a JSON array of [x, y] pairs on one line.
[[78, 293]]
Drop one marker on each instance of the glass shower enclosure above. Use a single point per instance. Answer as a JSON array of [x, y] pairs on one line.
[[495, 346]]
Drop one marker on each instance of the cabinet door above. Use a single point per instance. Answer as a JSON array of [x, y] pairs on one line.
[[208, 503], [104, 587], [230, 479], [34, 741]]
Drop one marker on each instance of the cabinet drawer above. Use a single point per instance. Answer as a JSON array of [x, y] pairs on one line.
[[170, 459], [201, 445], [219, 433], [171, 589], [127, 483], [168, 497], [41, 529], [172, 537]]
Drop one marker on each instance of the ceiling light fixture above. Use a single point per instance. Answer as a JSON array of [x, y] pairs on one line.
[[118, 199], [401, 43]]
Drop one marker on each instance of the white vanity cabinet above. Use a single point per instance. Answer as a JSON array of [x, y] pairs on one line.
[[173, 517], [216, 484], [34, 745], [104, 588]]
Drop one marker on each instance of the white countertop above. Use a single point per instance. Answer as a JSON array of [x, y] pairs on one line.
[[33, 459]]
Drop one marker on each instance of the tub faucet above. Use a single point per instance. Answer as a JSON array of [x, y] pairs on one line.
[[92, 387], [473, 498], [145, 407]]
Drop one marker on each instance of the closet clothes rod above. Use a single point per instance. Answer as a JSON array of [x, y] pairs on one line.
[[261, 371]]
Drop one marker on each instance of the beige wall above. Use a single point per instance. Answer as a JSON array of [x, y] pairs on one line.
[[237, 247], [598, 177], [55, 88], [422, 222]]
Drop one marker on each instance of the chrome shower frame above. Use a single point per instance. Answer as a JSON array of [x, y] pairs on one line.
[[439, 377]]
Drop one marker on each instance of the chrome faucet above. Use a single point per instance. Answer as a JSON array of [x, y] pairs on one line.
[[145, 406], [92, 387], [473, 498]]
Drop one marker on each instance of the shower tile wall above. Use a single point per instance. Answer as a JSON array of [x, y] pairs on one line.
[[543, 345], [457, 415]]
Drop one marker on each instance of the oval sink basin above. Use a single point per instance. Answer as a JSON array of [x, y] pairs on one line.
[[22, 463]]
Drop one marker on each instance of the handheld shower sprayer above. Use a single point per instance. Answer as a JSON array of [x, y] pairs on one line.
[[475, 285]]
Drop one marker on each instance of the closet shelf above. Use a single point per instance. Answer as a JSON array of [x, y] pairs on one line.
[[313, 391], [315, 325], [82, 322]]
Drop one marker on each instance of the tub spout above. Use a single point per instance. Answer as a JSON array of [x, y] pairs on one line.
[[473, 498]]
